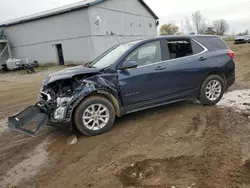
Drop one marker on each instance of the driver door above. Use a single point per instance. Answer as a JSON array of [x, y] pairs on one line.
[[145, 82]]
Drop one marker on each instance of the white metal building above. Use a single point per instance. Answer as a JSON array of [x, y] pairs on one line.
[[79, 32]]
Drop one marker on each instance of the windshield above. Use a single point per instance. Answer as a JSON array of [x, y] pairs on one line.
[[110, 56]]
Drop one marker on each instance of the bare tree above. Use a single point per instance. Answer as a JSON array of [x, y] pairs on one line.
[[203, 28], [197, 19], [188, 25], [246, 32], [220, 26]]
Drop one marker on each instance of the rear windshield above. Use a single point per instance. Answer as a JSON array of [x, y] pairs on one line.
[[212, 43]]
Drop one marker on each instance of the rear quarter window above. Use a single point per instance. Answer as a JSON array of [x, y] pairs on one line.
[[212, 43], [196, 47]]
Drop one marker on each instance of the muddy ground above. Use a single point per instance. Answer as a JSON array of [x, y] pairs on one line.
[[183, 145]]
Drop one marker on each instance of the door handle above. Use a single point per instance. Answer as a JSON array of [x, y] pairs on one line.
[[202, 59], [160, 68]]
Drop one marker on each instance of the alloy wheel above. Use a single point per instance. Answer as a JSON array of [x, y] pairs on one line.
[[95, 117], [213, 90]]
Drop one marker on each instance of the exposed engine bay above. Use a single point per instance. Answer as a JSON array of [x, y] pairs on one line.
[[55, 97]]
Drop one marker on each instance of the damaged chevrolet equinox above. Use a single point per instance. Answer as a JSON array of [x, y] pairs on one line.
[[131, 77]]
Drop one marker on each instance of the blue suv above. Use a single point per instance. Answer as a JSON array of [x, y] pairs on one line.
[[131, 77]]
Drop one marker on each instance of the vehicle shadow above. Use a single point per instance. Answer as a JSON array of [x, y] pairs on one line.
[[161, 110], [120, 122]]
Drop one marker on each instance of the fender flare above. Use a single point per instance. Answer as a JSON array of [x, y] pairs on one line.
[[219, 73], [113, 100], [106, 94]]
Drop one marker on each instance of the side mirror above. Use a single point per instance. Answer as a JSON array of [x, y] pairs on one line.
[[128, 64]]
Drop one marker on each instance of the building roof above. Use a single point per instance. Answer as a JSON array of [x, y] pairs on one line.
[[68, 8], [149, 9]]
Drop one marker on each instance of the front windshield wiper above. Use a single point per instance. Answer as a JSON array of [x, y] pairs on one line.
[[89, 65]]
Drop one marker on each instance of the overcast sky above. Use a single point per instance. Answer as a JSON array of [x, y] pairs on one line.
[[236, 12]]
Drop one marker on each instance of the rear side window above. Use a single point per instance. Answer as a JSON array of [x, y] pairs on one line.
[[212, 43], [179, 48], [196, 47]]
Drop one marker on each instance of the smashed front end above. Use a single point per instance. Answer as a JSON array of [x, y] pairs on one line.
[[57, 100]]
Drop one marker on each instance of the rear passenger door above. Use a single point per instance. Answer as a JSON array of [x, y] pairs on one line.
[[185, 65]]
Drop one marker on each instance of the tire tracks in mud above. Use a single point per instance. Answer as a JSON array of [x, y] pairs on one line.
[[222, 152], [220, 164]]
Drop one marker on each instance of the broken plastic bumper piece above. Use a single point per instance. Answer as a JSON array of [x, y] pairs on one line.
[[29, 121]]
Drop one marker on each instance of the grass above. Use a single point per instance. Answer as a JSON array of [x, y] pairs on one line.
[[229, 39]]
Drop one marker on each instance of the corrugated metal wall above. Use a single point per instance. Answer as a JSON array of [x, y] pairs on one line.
[[82, 38], [36, 39], [121, 21]]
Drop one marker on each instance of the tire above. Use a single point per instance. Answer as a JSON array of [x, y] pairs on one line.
[[203, 98], [84, 110]]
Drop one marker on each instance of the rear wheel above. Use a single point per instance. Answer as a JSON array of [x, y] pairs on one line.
[[94, 116], [212, 90]]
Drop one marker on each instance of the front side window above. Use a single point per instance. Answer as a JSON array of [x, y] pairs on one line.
[[147, 54]]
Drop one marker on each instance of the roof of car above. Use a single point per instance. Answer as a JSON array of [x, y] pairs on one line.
[[186, 36]]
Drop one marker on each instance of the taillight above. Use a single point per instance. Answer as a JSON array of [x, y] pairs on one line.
[[230, 54]]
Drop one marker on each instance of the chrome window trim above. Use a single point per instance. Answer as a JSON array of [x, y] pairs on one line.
[[204, 50]]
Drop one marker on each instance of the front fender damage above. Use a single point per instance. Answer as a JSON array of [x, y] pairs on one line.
[[94, 85], [60, 108]]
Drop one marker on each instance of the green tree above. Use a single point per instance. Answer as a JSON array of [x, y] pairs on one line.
[[169, 29]]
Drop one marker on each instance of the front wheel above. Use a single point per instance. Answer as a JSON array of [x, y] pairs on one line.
[[94, 116], [212, 90]]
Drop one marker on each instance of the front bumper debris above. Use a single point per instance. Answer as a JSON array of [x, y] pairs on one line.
[[29, 121]]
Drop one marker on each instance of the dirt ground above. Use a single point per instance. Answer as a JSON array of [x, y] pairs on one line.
[[183, 145]]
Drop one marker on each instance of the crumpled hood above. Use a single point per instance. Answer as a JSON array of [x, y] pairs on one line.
[[68, 73]]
